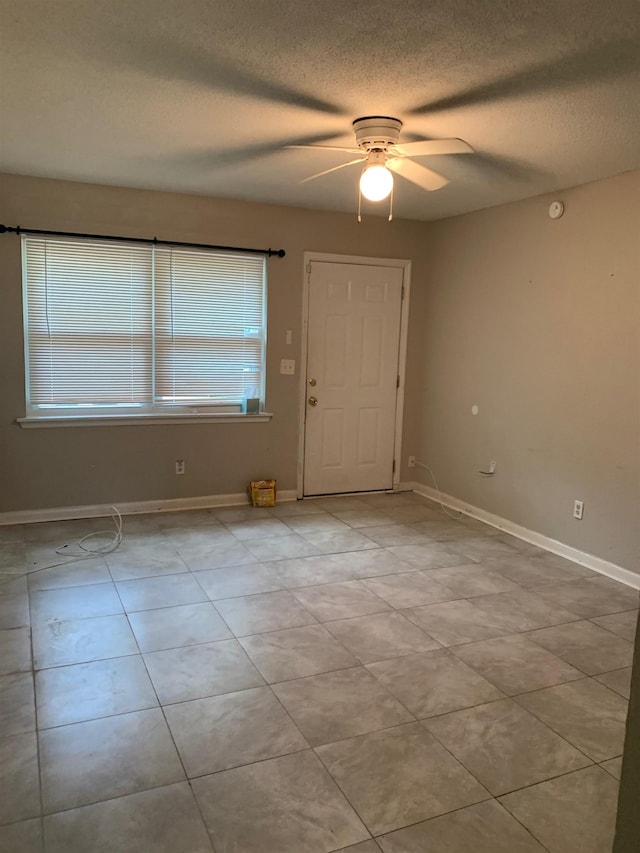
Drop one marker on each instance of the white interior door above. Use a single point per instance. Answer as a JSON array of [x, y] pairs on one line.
[[352, 377]]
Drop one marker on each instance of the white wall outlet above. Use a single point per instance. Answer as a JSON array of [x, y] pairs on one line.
[[287, 366], [578, 509], [411, 463], [180, 466]]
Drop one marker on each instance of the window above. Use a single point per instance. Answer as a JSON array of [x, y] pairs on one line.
[[117, 328]]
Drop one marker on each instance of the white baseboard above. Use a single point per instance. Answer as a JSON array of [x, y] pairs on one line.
[[65, 513], [590, 561]]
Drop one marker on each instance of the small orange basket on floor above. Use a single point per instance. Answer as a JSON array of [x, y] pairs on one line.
[[262, 492]]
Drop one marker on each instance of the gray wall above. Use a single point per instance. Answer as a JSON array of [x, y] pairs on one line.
[[72, 466], [537, 322]]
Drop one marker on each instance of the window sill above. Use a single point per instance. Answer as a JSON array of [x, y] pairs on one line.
[[139, 420]]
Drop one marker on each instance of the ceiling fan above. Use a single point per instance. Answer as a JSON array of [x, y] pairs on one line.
[[379, 150]]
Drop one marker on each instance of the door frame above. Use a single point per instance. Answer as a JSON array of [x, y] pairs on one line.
[[400, 263]]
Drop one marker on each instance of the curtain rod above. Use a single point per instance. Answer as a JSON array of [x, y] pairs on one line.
[[279, 253]]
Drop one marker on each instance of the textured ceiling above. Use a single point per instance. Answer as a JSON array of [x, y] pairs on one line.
[[200, 96]]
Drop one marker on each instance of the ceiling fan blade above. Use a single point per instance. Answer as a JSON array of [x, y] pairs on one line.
[[432, 146], [427, 179], [334, 169], [327, 148]]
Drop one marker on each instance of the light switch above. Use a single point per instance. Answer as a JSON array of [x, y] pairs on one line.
[[287, 366]]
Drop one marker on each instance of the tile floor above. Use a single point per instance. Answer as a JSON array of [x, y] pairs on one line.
[[356, 674]]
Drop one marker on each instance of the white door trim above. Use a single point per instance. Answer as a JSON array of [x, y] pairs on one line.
[[401, 263]]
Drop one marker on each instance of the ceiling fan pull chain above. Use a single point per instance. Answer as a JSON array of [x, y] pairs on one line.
[[391, 204], [359, 204]]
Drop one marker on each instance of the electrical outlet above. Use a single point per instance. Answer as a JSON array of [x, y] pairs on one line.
[[412, 462], [180, 466], [578, 509]]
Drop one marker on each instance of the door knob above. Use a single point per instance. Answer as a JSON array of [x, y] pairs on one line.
[[312, 382], [313, 401]]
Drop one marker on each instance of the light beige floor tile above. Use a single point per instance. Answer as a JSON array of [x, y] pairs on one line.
[[623, 624], [260, 529], [19, 792], [364, 518], [481, 547], [324, 523], [145, 562], [372, 563], [163, 820], [523, 610], [15, 650], [381, 636], [166, 591], [572, 814], [586, 713], [311, 571], [399, 776], [339, 600], [229, 554], [504, 746], [82, 640], [288, 509], [431, 556], [87, 762], [227, 731], [337, 541], [80, 573], [620, 681], [591, 597], [286, 805], [296, 652], [339, 704], [239, 513], [233, 581], [17, 704], [515, 664], [483, 828], [23, 837], [192, 672], [473, 579], [396, 534], [14, 602], [269, 611], [586, 646], [529, 570], [186, 518], [363, 847], [409, 590], [454, 622], [433, 683], [86, 691], [281, 548], [613, 766], [77, 602], [184, 625]]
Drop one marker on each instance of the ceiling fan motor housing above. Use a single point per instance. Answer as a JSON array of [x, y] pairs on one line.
[[377, 132]]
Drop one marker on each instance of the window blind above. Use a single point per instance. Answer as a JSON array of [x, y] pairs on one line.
[[117, 324], [204, 354]]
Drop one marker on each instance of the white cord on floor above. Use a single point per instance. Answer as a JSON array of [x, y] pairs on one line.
[[87, 551], [435, 483]]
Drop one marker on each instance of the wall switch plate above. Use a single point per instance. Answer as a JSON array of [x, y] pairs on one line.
[[287, 366], [180, 466], [578, 509]]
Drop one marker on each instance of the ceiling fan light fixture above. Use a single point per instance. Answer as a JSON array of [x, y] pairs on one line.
[[376, 183]]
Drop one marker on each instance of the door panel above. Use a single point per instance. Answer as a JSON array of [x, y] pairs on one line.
[[353, 348]]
